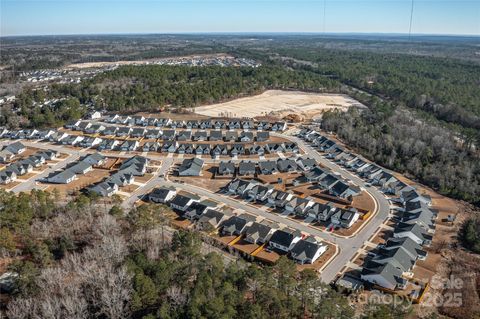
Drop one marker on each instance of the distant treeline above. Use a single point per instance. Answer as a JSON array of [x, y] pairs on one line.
[[446, 88], [149, 88]]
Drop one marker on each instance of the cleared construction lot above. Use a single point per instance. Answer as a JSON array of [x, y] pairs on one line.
[[276, 102]]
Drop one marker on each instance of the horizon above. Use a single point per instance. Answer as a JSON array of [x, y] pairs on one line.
[[106, 17], [240, 33]]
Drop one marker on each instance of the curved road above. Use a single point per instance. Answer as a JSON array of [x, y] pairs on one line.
[[348, 246]]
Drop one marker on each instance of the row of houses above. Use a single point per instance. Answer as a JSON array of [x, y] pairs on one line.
[[302, 207], [391, 264], [196, 124], [371, 172], [285, 165], [171, 146], [128, 170], [25, 166], [27, 134], [220, 149], [300, 248], [172, 134], [81, 167]]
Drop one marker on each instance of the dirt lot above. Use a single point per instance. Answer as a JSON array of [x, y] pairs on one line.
[[82, 181], [276, 102], [205, 180], [245, 247], [268, 257], [10, 185]]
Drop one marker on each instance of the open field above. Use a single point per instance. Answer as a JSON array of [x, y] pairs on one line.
[[276, 102]]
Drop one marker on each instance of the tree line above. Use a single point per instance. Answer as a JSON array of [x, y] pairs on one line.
[[88, 258], [152, 87]]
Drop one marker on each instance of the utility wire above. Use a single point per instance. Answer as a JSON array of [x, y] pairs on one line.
[[411, 19], [324, 14]]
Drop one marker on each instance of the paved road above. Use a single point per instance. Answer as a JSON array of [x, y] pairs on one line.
[[157, 180], [31, 182], [348, 246]]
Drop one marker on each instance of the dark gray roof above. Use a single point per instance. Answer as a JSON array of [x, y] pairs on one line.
[[194, 164], [284, 237], [305, 249], [389, 272], [180, 200], [398, 257], [258, 231]]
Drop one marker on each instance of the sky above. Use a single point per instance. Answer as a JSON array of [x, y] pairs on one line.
[[39, 17]]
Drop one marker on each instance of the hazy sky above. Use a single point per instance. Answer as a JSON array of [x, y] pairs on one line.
[[32, 17]]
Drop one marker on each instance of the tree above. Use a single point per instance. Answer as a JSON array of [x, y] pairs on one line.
[[7, 241]]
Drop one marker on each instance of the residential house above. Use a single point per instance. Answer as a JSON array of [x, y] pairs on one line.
[[90, 142], [190, 167], [279, 126], [168, 135], [316, 174], [384, 275], [181, 202], [110, 130], [260, 192], [61, 177], [231, 136], [307, 251], [80, 168], [95, 159], [397, 257], [344, 190], [256, 150], [7, 176], [72, 140], [286, 165], [123, 131], [153, 133], [246, 136], [138, 132], [16, 148], [237, 149], [210, 219], [306, 164], [203, 149], [200, 136], [219, 149], [412, 248], [215, 136], [169, 147], [151, 121], [151, 147], [279, 198], [226, 169], [129, 146], [184, 136], [195, 211], [246, 168], [162, 195], [290, 147], [94, 129], [285, 239], [236, 225], [108, 144], [104, 188], [263, 136], [413, 231], [259, 233], [268, 167]]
